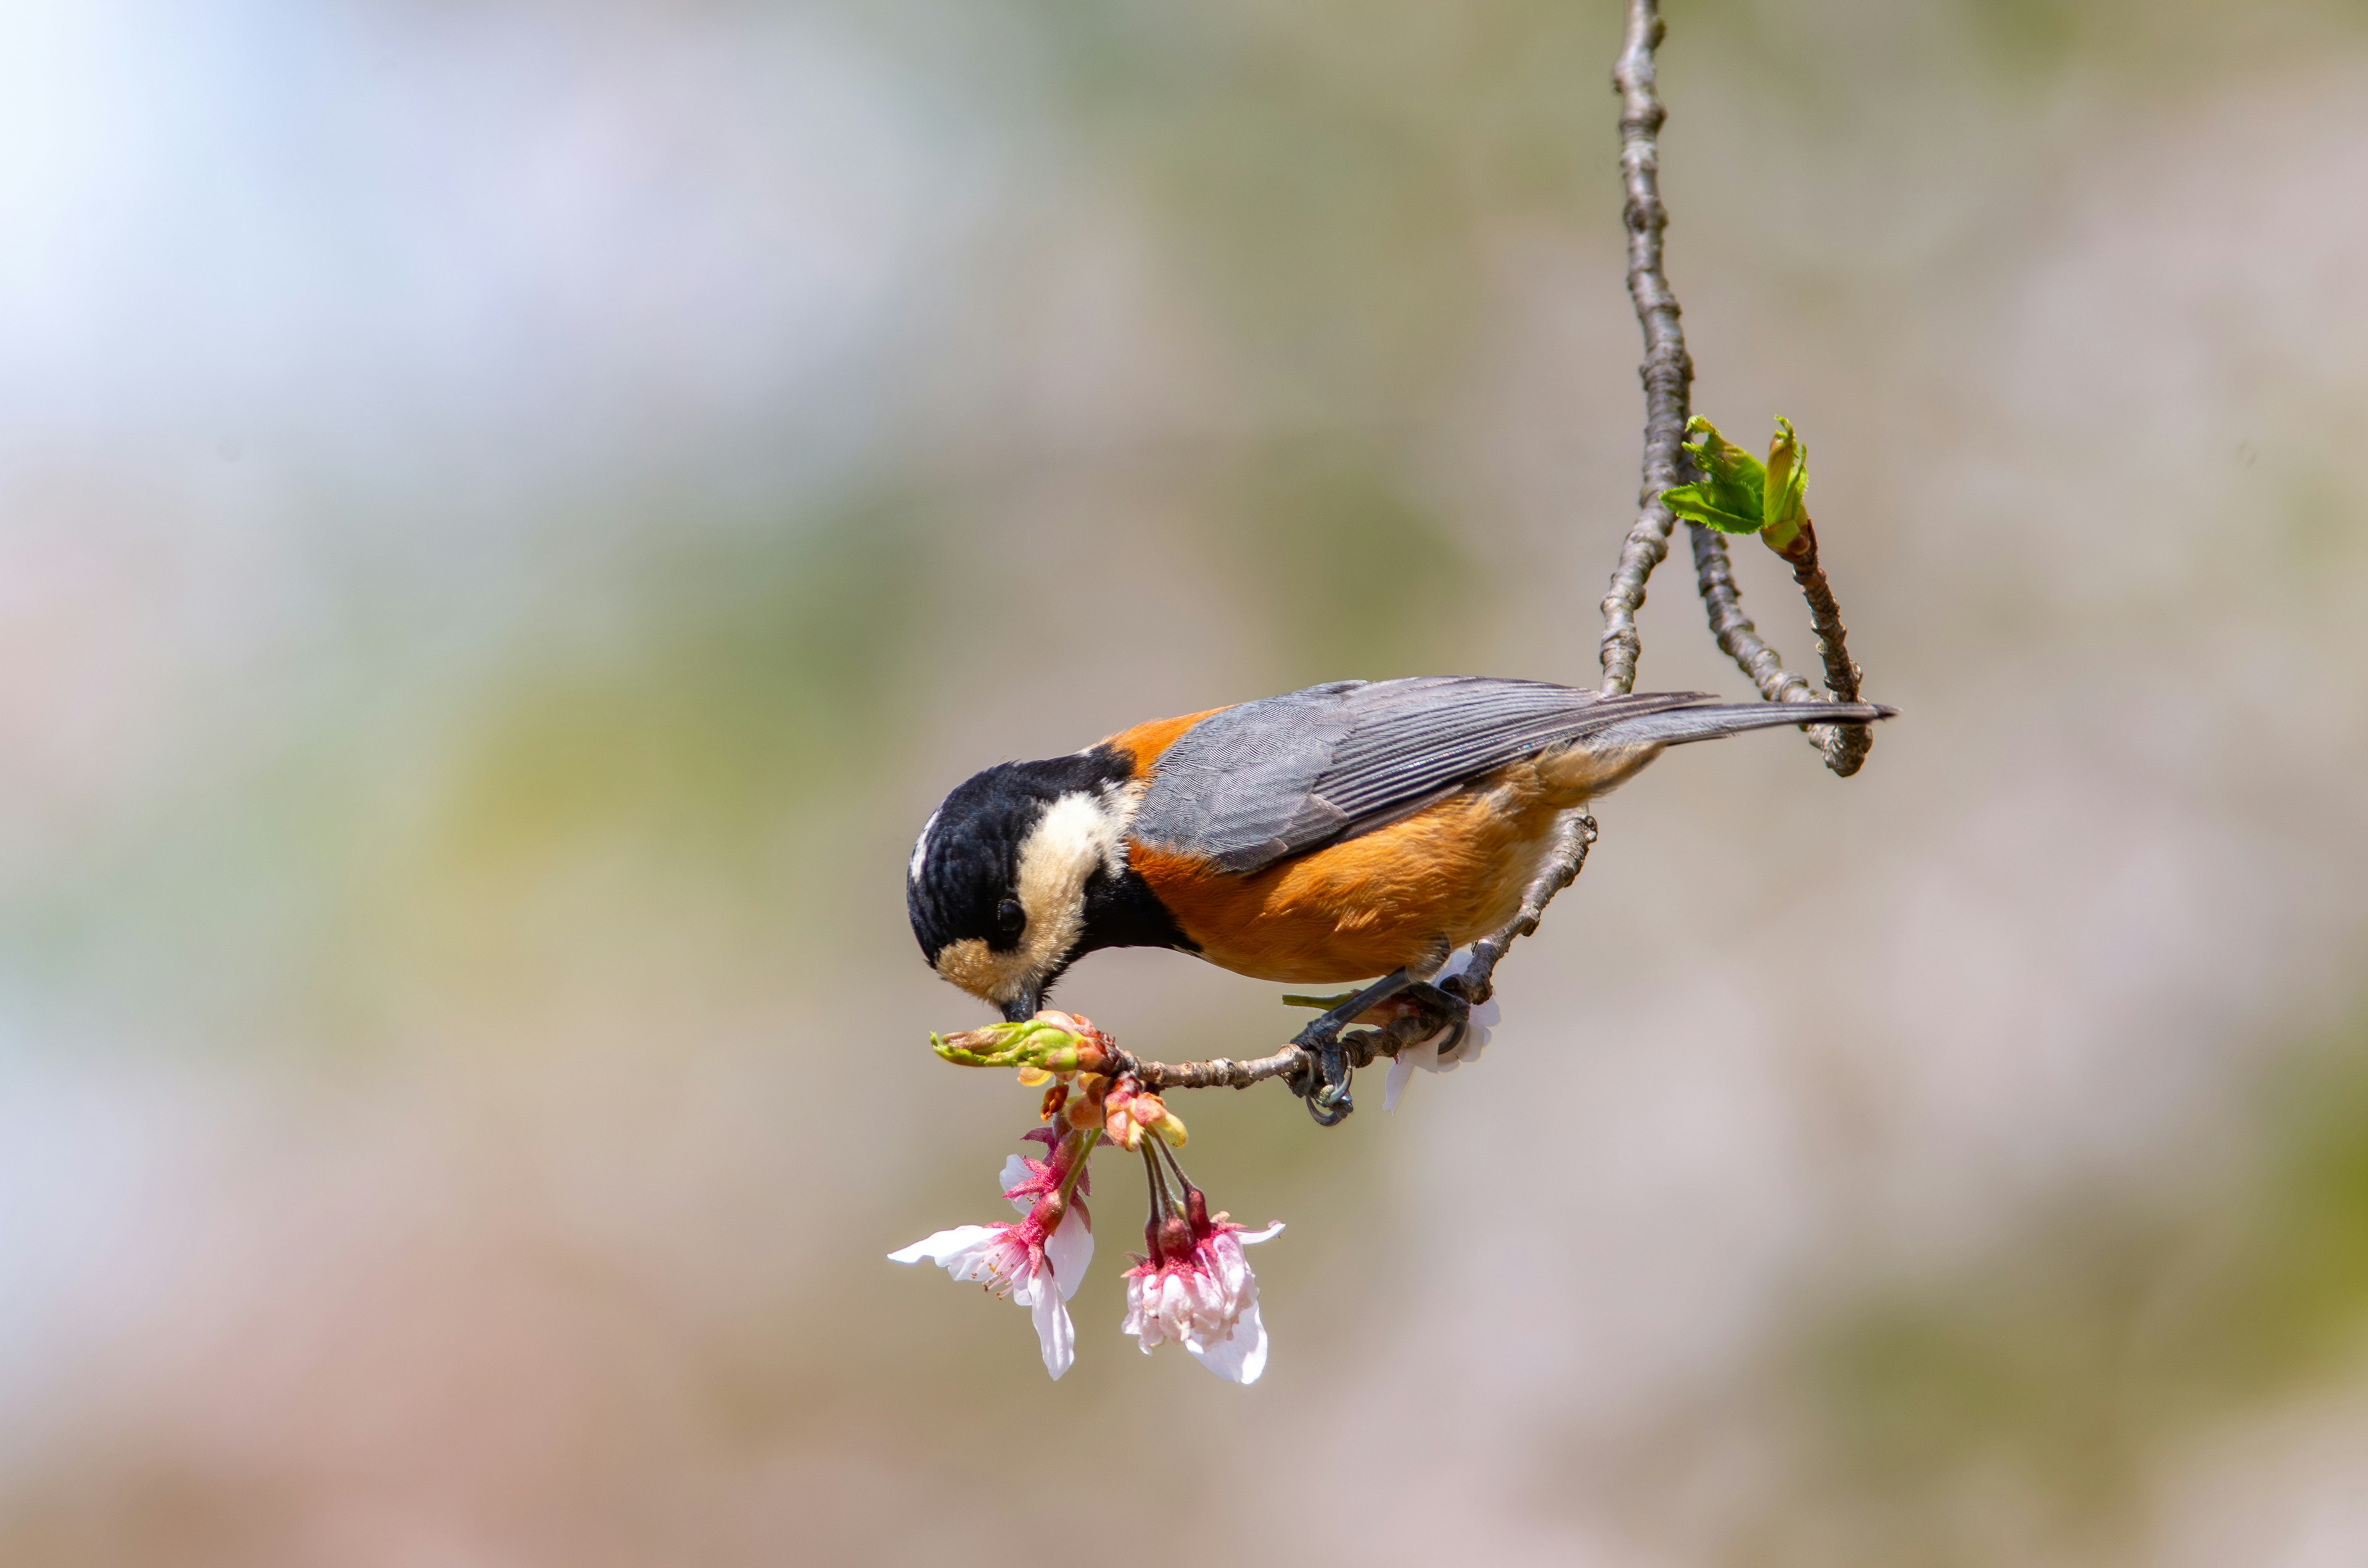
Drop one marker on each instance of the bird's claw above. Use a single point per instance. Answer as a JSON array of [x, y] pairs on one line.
[[1323, 1084], [1446, 1003]]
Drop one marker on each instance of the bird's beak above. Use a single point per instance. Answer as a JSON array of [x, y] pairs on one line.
[[1020, 1008]]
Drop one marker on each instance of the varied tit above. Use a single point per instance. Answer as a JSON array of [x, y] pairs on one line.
[[1331, 834]]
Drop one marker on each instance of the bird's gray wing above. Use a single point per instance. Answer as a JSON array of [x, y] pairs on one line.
[[1255, 783]]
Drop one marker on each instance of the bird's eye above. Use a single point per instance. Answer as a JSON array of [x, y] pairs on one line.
[[1009, 918]]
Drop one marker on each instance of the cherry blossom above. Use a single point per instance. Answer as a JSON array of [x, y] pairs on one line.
[[1195, 1288], [1039, 1262]]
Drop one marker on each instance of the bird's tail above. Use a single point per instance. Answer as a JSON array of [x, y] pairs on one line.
[[1676, 726]]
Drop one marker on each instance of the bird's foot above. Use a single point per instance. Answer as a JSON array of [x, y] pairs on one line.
[[1444, 1006], [1324, 1083], [1323, 1079]]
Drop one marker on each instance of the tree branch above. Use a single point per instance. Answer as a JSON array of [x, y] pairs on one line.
[[1849, 745], [1844, 746], [1667, 374], [1217, 1073], [1668, 370], [1575, 837]]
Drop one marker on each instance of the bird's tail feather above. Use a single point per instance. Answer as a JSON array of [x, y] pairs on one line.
[[1676, 726]]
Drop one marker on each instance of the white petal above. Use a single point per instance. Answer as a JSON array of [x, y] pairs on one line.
[[1251, 1238], [1069, 1249], [1242, 1357], [1216, 1298], [1468, 1048], [1174, 1303], [1475, 1038], [1055, 1331], [945, 1245], [1222, 1267], [1015, 1171], [1143, 1314], [1402, 1068]]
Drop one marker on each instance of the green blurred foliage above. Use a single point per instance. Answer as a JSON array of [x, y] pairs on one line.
[[1353, 571], [754, 671], [1329, 172], [2051, 1371]]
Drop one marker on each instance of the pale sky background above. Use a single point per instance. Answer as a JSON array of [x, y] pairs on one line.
[[510, 515]]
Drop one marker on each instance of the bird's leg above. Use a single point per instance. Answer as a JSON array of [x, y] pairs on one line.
[[1325, 1086]]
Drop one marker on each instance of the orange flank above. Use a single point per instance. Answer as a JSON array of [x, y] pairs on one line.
[[1401, 895], [1145, 742]]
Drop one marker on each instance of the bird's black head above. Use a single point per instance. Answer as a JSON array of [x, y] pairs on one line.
[[1024, 867]]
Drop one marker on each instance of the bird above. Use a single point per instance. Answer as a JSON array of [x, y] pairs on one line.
[[1345, 831]]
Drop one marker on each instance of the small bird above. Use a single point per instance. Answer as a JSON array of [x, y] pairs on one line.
[[1351, 830]]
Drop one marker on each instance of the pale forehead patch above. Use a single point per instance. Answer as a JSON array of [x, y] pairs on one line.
[[921, 847]]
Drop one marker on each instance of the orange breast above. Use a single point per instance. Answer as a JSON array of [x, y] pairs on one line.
[[1451, 872]]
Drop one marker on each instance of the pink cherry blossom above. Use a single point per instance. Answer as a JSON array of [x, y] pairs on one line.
[[1196, 1290], [1038, 1262]]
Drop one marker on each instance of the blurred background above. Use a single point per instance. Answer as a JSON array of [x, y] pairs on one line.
[[511, 513]]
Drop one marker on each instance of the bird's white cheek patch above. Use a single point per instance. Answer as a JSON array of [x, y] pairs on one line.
[[1075, 835], [1078, 835]]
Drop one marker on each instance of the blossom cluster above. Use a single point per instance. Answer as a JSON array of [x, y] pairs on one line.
[[1191, 1285], [1192, 1288]]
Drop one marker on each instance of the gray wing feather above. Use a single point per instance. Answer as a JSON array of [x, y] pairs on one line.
[[1236, 787], [1255, 783]]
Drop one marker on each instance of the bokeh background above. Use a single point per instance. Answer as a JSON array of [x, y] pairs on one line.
[[511, 513]]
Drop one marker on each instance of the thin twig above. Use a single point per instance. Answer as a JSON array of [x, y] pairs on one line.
[[1219, 1072], [1714, 574], [1668, 370], [1412, 1026], [1668, 373], [1575, 837], [1844, 746]]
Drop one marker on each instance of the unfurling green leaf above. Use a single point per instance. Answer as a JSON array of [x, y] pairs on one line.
[[1787, 489], [1728, 496], [1737, 494]]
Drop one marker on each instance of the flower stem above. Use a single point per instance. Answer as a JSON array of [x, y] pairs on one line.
[[1077, 1170]]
